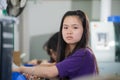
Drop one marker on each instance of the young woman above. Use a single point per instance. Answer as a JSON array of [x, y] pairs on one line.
[[75, 58]]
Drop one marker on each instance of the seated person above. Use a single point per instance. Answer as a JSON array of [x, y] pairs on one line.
[[74, 56], [51, 48]]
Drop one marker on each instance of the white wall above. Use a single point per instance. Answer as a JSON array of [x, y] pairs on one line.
[[45, 16], [42, 17]]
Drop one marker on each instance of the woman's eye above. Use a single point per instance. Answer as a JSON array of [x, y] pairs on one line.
[[75, 27], [65, 27]]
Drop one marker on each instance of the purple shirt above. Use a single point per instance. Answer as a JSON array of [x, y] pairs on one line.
[[79, 64]]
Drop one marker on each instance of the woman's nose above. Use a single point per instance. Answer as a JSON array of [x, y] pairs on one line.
[[69, 31]]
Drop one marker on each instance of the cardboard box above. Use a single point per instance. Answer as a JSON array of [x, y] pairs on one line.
[[16, 58]]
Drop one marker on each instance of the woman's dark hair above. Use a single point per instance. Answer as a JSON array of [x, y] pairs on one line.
[[83, 43], [51, 44]]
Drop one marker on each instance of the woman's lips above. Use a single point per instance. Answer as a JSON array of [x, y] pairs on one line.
[[69, 37]]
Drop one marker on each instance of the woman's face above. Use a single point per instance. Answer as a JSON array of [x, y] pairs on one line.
[[53, 54], [72, 30]]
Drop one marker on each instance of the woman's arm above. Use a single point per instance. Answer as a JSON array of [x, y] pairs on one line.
[[50, 71]]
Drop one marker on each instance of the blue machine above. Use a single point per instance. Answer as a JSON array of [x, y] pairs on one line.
[[18, 76], [114, 19]]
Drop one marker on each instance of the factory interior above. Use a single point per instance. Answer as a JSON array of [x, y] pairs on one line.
[[25, 28]]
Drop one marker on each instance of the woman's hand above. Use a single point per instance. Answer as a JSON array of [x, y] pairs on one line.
[[31, 77], [34, 62], [27, 75]]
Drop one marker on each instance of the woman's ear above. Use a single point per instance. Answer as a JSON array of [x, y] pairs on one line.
[[51, 50]]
